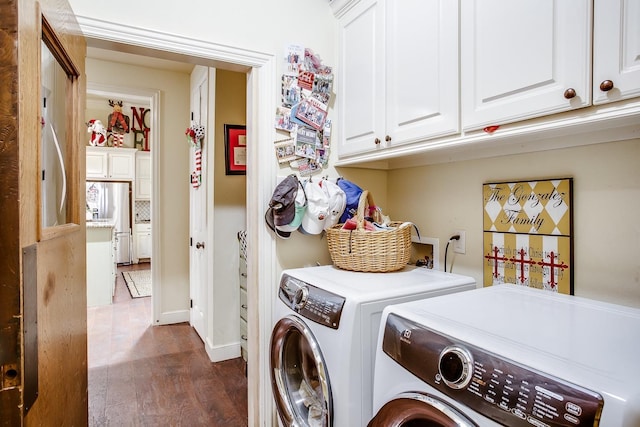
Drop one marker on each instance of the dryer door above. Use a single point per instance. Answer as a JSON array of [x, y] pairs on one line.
[[419, 410], [299, 377]]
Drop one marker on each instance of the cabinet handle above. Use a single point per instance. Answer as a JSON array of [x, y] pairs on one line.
[[387, 138], [377, 141], [244, 306], [200, 245], [244, 337], [606, 85], [570, 93]]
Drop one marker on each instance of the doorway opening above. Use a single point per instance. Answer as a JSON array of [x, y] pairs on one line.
[[261, 76]]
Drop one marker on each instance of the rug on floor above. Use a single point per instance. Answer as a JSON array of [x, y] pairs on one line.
[[138, 282]]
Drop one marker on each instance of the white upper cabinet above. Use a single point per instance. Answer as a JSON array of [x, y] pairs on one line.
[[361, 78], [422, 64], [106, 163], [97, 164], [523, 59], [616, 50], [143, 175], [398, 79]]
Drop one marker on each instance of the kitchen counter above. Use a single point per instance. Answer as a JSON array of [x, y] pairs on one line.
[[101, 262], [101, 223]]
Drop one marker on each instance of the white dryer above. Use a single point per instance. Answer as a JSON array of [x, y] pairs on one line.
[[508, 355], [326, 323]]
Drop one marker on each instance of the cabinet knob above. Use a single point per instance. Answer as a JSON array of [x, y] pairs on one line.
[[570, 93], [377, 141], [387, 138], [606, 85]]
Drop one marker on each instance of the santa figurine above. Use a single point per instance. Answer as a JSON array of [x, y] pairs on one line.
[[98, 133], [118, 124]]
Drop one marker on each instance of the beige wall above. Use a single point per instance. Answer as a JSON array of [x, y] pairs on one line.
[[174, 167], [229, 210], [606, 199]]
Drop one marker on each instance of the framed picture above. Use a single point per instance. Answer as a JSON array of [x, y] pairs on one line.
[[528, 234], [235, 149]]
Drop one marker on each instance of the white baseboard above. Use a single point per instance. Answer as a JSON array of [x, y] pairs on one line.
[[222, 352], [171, 317]]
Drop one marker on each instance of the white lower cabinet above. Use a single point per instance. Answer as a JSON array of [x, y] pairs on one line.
[[101, 265], [142, 241]]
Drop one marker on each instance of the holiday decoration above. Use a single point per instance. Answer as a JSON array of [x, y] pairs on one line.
[[118, 124], [140, 128], [98, 133], [195, 135]]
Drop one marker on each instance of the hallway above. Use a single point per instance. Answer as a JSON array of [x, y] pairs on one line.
[[141, 375]]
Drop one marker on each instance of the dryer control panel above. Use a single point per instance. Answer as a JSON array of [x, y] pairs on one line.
[[311, 302], [508, 392]]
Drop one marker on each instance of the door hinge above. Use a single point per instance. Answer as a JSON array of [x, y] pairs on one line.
[[191, 303], [190, 241], [43, 174], [192, 115]]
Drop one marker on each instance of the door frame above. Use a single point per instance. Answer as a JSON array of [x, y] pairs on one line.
[[262, 93]]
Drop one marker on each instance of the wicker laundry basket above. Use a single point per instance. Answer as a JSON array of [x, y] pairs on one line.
[[370, 251]]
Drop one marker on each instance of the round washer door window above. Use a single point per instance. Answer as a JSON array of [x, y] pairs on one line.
[[419, 410], [299, 377]]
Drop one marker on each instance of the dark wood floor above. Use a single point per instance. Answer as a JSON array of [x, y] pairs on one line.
[[143, 375]]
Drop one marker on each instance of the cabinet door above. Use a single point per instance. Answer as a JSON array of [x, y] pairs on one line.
[[96, 165], [616, 50], [121, 166], [143, 244], [143, 176], [361, 78], [421, 69], [518, 58]]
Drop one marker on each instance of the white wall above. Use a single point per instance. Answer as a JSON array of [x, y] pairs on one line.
[[174, 168], [606, 202]]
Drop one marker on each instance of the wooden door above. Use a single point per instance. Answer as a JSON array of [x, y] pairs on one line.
[[518, 59], [43, 324]]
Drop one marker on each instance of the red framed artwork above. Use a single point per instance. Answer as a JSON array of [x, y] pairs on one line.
[[235, 149]]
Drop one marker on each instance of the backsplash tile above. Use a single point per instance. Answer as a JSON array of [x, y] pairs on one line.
[[143, 211]]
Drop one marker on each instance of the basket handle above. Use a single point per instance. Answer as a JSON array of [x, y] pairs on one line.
[[366, 199]]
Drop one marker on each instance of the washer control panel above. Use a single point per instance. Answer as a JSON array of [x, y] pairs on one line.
[[509, 393], [311, 302]]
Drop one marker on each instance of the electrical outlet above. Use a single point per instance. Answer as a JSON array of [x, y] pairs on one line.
[[459, 246]]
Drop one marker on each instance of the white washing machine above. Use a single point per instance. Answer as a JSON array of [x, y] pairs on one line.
[[508, 355], [326, 323]]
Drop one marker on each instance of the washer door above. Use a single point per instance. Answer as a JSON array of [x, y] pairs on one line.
[[419, 410], [299, 377]]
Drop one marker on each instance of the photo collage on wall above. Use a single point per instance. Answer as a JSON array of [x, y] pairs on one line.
[[306, 93]]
